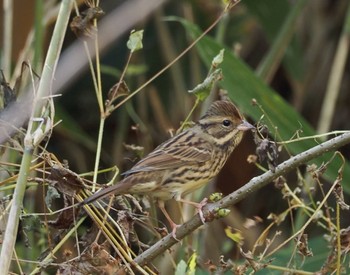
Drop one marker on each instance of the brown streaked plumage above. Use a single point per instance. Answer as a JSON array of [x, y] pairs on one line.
[[186, 161]]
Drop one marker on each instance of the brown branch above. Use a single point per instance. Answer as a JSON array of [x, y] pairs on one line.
[[254, 184]]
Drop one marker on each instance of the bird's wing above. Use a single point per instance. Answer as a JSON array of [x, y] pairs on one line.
[[180, 153]]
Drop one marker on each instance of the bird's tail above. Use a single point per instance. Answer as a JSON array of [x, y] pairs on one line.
[[119, 189]]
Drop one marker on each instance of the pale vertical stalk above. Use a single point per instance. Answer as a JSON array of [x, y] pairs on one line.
[[7, 38], [96, 78], [337, 71], [43, 91], [102, 111], [13, 218], [52, 56], [98, 150]]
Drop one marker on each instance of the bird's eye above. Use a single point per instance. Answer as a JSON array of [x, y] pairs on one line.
[[226, 122]]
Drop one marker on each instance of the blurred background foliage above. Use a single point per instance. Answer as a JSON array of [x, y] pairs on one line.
[[281, 53]]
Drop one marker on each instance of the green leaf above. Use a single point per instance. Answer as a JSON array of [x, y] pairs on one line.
[[202, 90], [243, 86], [181, 268], [217, 60], [135, 41], [237, 236], [192, 263]]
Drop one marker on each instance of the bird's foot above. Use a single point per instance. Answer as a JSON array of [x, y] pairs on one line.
[[172, 224], [174, 228], [199, 208]]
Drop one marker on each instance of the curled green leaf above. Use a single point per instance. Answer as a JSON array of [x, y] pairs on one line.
[[135, 41], [202, 90], [217, 60]]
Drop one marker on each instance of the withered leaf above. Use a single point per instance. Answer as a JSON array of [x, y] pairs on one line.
[[82, 25], [65, 180], [303, 245], [119, 89], [65, 218], [266, 149], [94, 260], [339, 196]]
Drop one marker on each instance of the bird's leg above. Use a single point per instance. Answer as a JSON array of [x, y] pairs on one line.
[[199, 206], [173, 225]]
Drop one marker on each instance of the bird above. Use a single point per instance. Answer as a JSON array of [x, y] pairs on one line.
[[186, 161]]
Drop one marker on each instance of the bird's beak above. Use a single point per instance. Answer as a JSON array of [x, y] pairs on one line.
[[245, 126]]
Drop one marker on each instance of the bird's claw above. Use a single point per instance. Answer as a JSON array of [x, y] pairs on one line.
[[200, 207], [173, 232]]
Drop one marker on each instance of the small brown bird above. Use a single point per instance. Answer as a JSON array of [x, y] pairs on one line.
[[186, 161]]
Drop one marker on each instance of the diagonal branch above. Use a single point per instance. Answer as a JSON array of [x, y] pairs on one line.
[[254, 184]]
